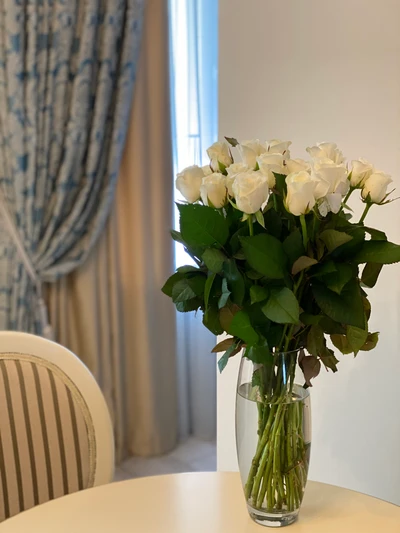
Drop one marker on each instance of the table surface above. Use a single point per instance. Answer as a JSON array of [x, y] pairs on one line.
[[198, 503]]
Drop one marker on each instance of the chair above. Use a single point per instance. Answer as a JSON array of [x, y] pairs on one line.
[[55, 431]]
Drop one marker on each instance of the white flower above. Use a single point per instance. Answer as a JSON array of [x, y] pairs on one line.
[[250, 150], [188, 183], [219, 152], [276, 146], [332, 184], [375, 187], [328, 150], [300, 197], [297, 165], [213, 190], [360, 172], [207, 170], [233, 171], [251, 191], [270, 163]]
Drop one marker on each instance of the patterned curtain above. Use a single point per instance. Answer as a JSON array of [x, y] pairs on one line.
[[67, 69]]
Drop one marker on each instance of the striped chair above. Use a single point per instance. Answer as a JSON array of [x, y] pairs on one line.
[[55, 430]]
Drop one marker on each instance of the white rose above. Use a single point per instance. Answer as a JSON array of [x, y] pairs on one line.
[[297, 165], [360, 172], [219, 152], [250, 190], [375, 187], [328, 150], [233, 171], [276, 146], [300, 197], [207, 170], [332, 184], [213, 190], [250, 150], [188, 183], [270, 163]]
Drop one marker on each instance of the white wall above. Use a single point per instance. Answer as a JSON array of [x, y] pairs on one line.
[[312, 70]]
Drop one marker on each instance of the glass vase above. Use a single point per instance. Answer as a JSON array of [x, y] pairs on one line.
[[273, 439]]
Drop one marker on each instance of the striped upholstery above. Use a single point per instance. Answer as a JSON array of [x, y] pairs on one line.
[[47, 445]]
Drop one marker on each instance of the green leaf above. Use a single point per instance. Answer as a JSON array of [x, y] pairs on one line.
[[273, 223], [371, 342], [232, 141], [188, 305], [223, 345], [356, 338], [213, 259], [370, 274], [234, 241], [341, 343], [282, 307], [333, 239], [169, 284], [381, 252], [252, 274], [177, 236], [202, 225], [260, 353], [258, 293], [302, 263], [242, 328], [315, 340], [310, 320], [183, 291], [211, 321], [207, 289], [376, 234], [230, 352], [235, 281], [329, 360], [331, 327], [293, 246], [265, 254], [260, 219], [346, 308], [186, 269], [225, 294], [322, 269], [339, 279]]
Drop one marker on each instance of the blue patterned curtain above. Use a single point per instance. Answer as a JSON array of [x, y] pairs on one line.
[[67, 69]]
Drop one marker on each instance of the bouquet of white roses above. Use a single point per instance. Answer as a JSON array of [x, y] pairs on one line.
[[280, 265]]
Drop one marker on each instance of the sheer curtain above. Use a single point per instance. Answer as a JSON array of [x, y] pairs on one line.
[[194, 104]]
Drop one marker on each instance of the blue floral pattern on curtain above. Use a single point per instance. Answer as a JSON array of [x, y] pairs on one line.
[[67, 69]]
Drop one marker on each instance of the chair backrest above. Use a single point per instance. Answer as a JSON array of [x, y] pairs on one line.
[[55, 431]]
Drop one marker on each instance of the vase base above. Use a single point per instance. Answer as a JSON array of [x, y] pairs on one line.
[[263, 518]]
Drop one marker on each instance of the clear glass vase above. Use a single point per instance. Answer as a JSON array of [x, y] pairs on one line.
[[273, 439]]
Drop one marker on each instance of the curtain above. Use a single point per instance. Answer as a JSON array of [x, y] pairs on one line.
[[194, 103], [66, 76], [111, 311]]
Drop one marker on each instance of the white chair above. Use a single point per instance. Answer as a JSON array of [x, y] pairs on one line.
[[55, 431]]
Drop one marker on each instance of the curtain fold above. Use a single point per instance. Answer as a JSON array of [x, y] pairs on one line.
[[111, 311], [66, 77]]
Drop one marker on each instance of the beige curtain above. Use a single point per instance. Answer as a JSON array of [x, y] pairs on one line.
[[111, 311]]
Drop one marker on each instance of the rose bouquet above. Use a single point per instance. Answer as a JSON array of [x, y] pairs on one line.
[[284, 270]]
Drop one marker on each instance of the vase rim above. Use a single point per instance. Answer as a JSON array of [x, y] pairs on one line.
[[290, 352]]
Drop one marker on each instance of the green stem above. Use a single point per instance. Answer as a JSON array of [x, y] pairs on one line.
[[367, 208], [304, 230], [251, 229], [346, 198]]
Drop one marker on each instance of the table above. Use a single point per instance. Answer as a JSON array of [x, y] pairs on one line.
[[198, 503]]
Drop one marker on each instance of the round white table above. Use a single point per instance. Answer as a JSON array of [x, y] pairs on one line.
[[198, 503]]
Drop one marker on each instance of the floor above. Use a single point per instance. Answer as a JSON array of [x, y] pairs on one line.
[[194, 455]]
